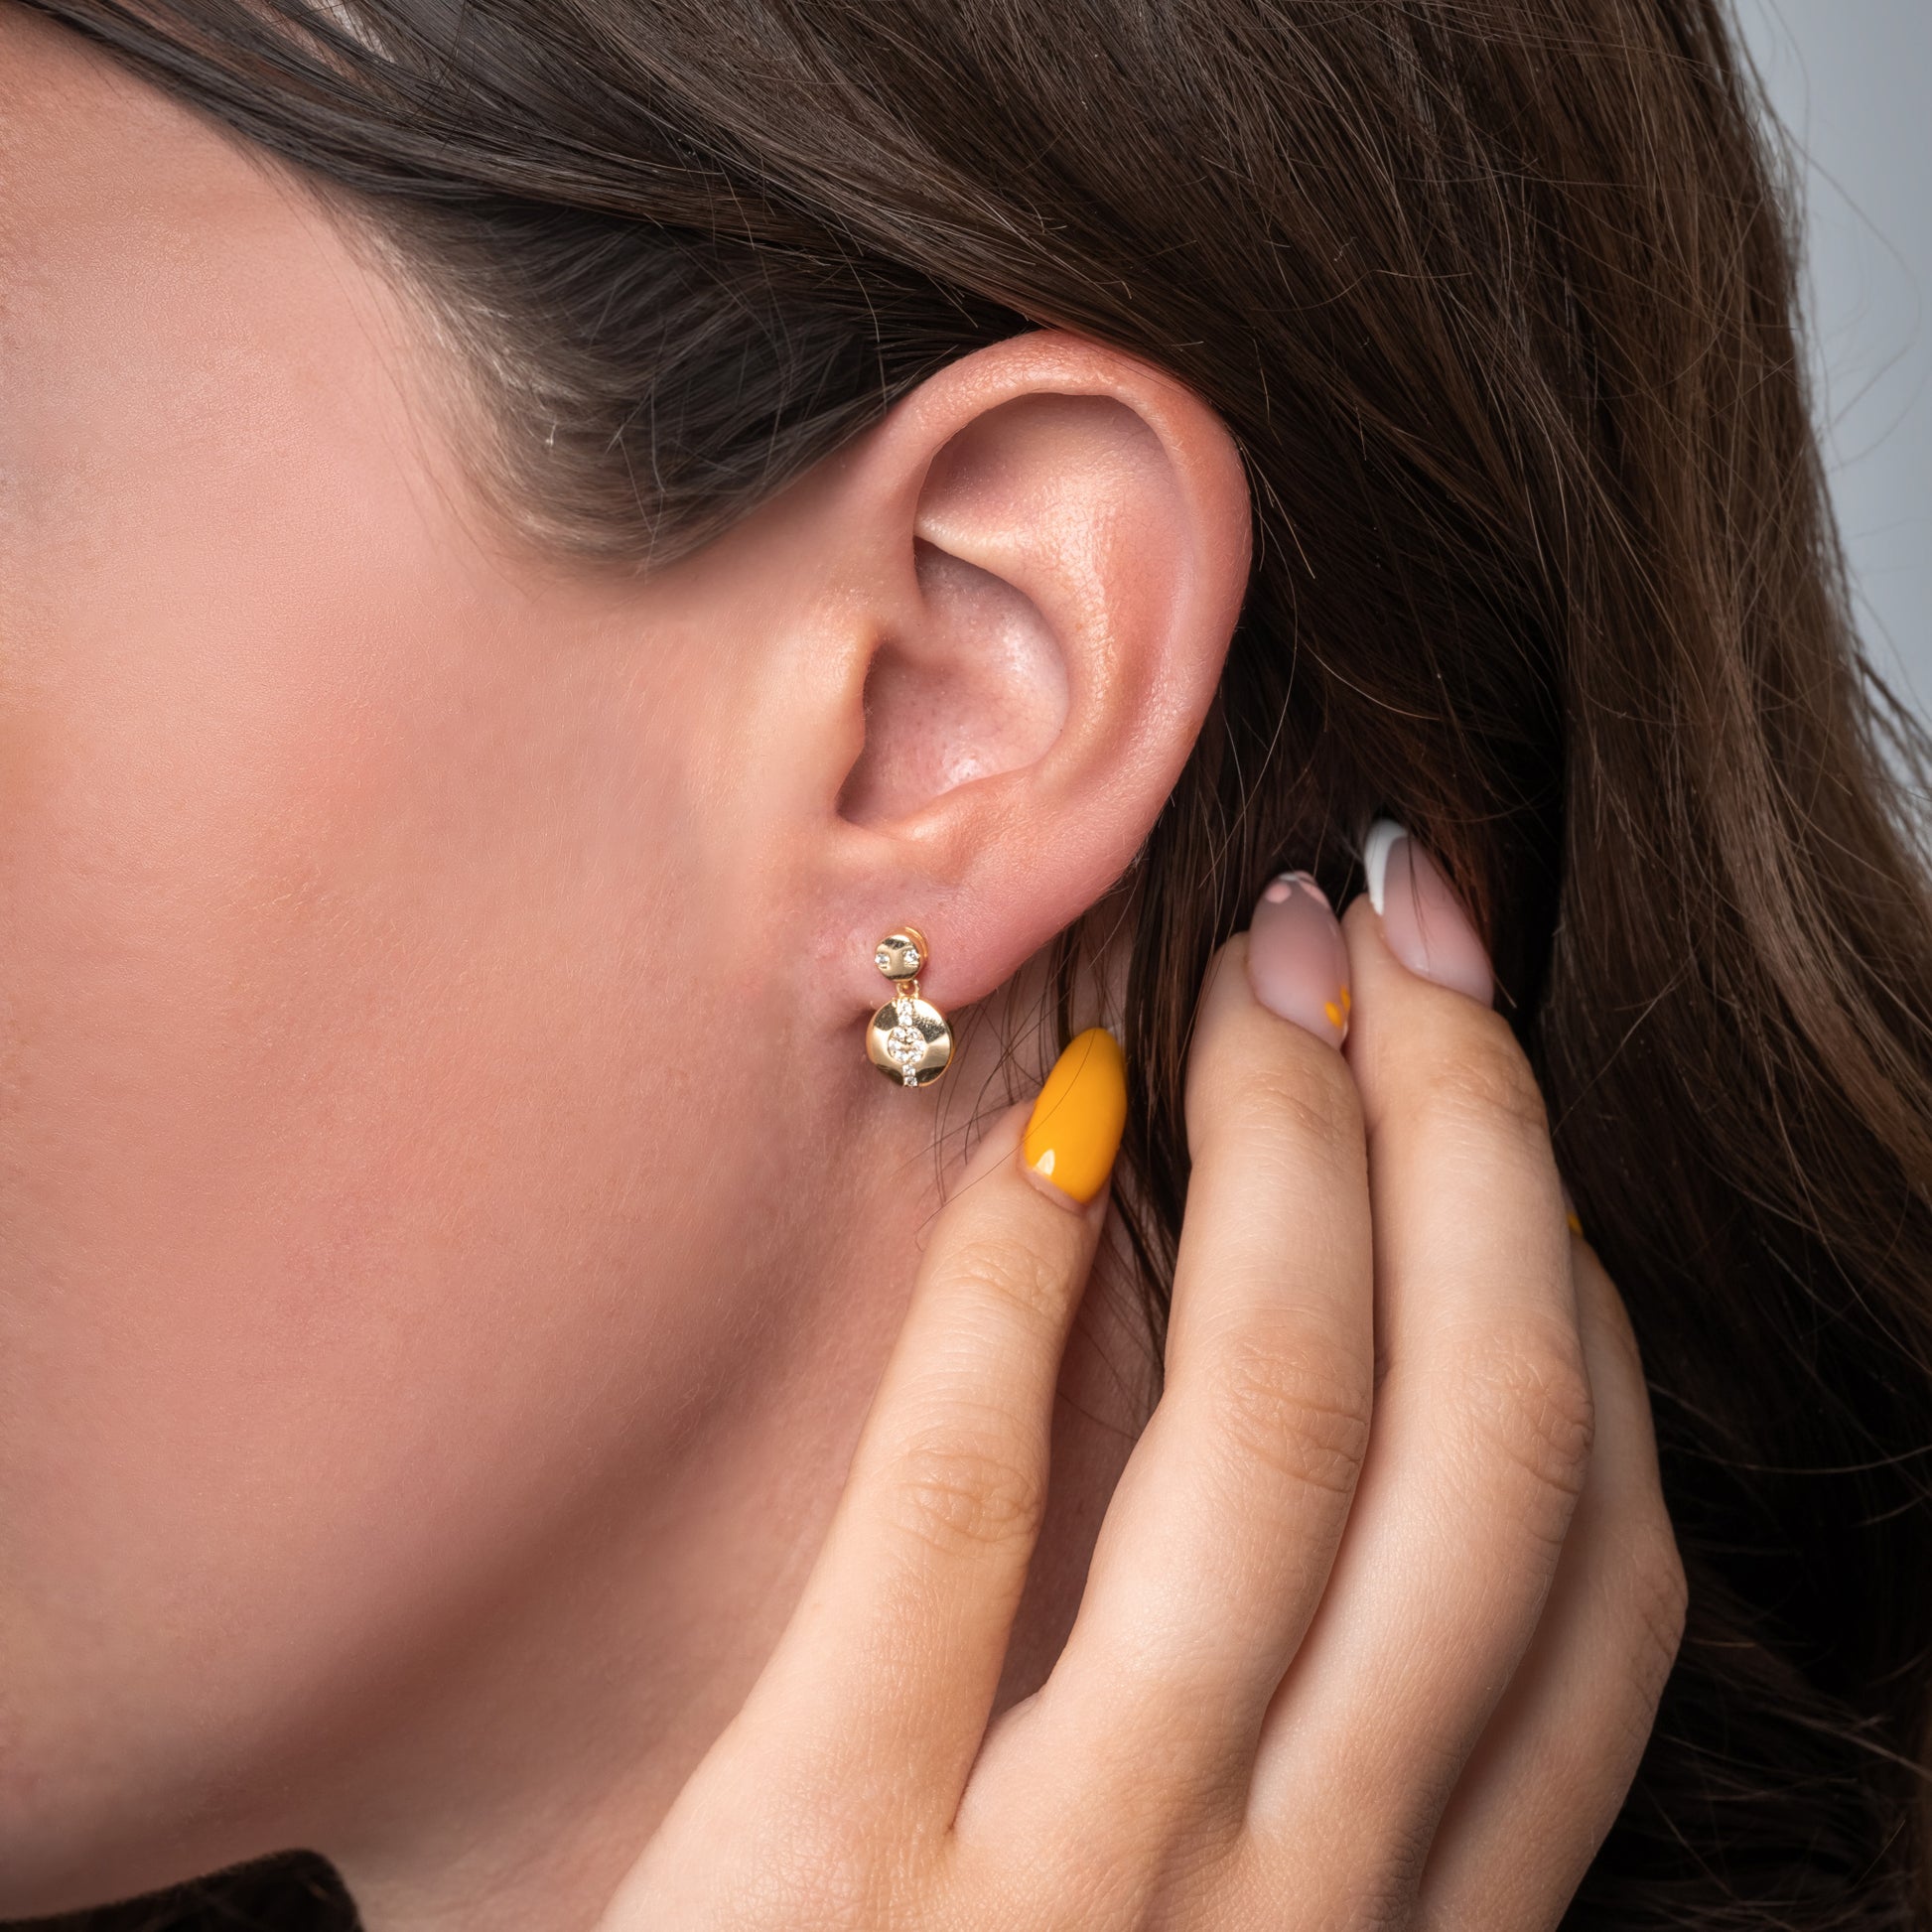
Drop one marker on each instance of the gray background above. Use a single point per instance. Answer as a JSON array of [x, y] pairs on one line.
[[1851, 80]]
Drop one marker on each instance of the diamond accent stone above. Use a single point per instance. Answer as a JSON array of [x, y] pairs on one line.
[[905, 1046]]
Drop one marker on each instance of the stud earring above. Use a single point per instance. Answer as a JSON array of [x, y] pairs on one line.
[[908, 1039]]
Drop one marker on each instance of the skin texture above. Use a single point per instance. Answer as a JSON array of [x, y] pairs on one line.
[[449, 1231], [1288, 1697], [451, 1239]]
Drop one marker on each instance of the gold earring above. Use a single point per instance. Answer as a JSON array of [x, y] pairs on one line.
[[908, 1039]]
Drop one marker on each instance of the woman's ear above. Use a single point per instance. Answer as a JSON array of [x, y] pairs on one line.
[[1026, 579]]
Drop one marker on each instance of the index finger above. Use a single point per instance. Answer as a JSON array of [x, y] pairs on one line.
[[902, 1630]]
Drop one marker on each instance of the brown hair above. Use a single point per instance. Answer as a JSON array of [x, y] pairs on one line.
[[1497, 298]]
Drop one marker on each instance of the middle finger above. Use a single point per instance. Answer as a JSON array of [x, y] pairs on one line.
[[1217, 1543]]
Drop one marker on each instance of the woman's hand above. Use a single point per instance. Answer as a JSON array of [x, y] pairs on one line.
[[1383, 1604]]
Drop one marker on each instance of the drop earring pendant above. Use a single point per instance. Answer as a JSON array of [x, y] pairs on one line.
[[908, 1039]]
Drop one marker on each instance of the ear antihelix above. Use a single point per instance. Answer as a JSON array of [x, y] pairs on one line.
[[909, 1041]]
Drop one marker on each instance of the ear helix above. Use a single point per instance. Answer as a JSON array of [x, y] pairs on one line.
[[908, 1039]]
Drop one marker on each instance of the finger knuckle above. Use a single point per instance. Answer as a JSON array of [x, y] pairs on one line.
[[1095, 1880], [1659, 1598], [820, 1873], [1302, 1091], [1199, 1883], [808, 1866], [1609, 1315], [1638, 1660], [1531, 1399], [966, 1487], [1479, 1077], [1299, 1409], [1007, 1276]]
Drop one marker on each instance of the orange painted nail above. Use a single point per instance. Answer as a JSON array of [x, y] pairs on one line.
[[1075, 1128]]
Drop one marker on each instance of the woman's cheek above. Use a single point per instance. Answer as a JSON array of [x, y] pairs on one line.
[[267, 1154]]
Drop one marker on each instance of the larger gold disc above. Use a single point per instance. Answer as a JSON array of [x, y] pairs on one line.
[[909, 1042]]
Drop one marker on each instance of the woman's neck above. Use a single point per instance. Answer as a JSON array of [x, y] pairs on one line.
[[515, 1777]]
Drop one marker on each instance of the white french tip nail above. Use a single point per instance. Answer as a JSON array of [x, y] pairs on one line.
[[1375, 856]]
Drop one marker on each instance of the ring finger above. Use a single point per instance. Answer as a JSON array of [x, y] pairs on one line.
[[1216, 1545]]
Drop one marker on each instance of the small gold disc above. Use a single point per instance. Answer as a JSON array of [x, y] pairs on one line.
[[902, 955], [909, 1042]]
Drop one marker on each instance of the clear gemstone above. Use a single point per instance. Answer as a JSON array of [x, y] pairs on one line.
[[911, 959], [904, 1046]]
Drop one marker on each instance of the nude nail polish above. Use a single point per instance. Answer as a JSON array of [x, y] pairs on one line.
[[1298, 962], [1423, 921]]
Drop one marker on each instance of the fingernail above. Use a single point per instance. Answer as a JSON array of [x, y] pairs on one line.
[[1074, 1131], [1423, 921], [1297, 961]]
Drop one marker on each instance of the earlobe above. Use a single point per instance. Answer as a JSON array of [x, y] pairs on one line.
[[1060, 534]]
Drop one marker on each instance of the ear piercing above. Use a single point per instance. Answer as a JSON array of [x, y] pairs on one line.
[[908, 1039]]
